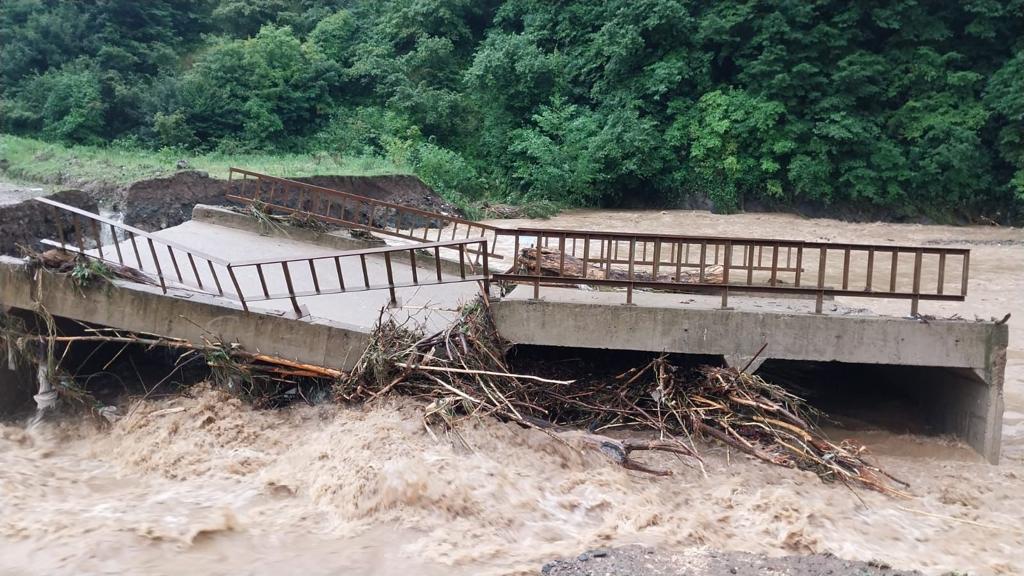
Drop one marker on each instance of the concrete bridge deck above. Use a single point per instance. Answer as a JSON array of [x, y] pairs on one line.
[[962, 362]]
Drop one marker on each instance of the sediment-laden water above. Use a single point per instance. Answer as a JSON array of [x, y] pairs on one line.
[[205, 484]]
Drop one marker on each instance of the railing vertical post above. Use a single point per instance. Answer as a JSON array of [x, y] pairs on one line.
[[238, 288], [963, 281], [536, 268], [60, 226], [391, 279], [341, 278], [195, 270], [437, 262], [942, 273], [462, 261], [174, 262], [135, 247], [96, 237], [775, 265], [263, 280], [216, 279], [586, 256], [799, 264], [312, 272], [486, 270], [366, 275], [291, 289], [117, 245], [561, 256], [822, 262], [871, 269], [679, 260], [725, 274], [917, 283], [750, 264], [156, 262], [412, 265], [632, 256], [893, 270], [657, 260], [703, 259], [846, 269], [515, 252]]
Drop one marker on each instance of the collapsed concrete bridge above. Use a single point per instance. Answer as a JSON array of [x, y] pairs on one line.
[[314, 296]]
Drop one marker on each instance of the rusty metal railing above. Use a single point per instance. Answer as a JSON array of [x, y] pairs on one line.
[[133, 248], [352, 210], [719, 265], [708, 264], [96, 237], [319, 275]]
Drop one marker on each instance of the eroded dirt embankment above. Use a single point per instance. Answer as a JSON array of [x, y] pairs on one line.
[[159, 203], [24, 223], [163, 202]]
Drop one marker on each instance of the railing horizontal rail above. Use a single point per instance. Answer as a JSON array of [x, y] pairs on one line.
[[718, 288], [367, 251], [736, 241]]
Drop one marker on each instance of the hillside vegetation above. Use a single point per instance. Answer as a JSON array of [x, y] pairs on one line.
[[903, 108]]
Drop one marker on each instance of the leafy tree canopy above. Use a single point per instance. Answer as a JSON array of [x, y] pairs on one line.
[[904, 107]]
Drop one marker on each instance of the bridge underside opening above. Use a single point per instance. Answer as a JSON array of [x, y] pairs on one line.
[[567, 363], [102, 366], [101, 372], [925, 400], [900, 399]]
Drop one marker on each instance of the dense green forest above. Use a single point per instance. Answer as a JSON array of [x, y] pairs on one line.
[[902, 107]]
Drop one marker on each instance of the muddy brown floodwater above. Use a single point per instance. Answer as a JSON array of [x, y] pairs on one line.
[[203, 484]]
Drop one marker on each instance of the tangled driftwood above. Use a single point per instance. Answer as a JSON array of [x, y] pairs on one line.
[[461, 371]]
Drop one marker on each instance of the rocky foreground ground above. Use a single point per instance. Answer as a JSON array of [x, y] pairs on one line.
[[642, 561]]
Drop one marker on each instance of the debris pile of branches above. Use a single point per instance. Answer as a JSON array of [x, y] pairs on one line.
[[461, 372], [552, 262], [85, 271], [277, 223]]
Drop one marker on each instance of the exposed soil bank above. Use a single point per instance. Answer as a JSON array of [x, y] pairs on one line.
[[26, 222], [163, 202], [159, 203], [641, 561]]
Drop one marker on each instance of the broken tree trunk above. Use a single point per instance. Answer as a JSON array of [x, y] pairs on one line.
[[554, 263]]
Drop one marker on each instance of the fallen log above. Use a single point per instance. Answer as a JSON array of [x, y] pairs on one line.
[[554, 263]]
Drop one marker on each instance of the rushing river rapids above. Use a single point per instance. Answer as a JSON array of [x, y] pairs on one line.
[[205, 484]]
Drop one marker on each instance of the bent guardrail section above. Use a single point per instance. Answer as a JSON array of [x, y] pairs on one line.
[[290, 278], [351, 210]]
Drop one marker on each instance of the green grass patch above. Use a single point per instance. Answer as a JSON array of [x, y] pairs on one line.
[[31, 160]]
